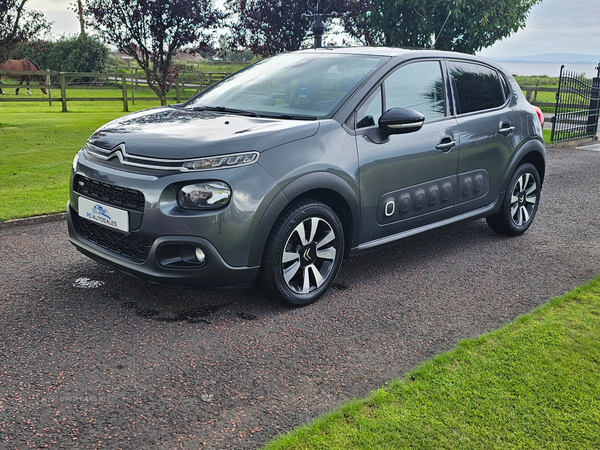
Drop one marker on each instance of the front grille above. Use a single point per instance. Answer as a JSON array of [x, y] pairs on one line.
[[108, 193], [133, 248]]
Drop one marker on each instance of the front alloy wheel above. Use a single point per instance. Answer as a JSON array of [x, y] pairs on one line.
[[303, 254], [309, 255]]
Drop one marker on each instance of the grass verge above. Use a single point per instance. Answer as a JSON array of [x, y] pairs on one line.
[[541, 81], [37, 146], [531, 384], [547, 135]]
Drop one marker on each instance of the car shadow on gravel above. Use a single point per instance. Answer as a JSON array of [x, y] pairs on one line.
[[165, 304]]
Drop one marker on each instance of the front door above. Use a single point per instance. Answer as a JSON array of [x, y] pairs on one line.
[[407, 180]]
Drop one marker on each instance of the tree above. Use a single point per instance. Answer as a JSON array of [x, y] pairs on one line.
[[81, 53], [472, 26], [78, 54], [268, 27], [356, 20], [152, 31], [17, 24], [459, 25]]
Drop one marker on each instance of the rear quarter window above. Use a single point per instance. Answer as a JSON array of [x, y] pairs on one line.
[[477, 87]]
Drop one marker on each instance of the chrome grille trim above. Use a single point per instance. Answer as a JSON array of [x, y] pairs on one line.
[[145, 162]]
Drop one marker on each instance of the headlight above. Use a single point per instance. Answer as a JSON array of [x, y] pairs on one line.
[[76, 160], [207, 195], [219, 162]]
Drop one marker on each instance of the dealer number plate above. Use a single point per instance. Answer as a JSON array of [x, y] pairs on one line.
[[104, 214]]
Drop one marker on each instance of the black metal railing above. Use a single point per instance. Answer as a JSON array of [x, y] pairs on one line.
[[577, 106]]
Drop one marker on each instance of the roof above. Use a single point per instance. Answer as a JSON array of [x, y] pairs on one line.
[[407, 53]]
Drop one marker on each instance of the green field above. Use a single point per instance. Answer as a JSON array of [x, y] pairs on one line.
[[542, 97], [533, 384], [37, 145]]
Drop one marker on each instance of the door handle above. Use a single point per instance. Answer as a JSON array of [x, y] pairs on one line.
[[446, 145], [506, 129]]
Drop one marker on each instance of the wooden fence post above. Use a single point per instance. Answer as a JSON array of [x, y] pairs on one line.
[[177, 93], [48, 83], [124, 88], [63, 90], [133, 84]]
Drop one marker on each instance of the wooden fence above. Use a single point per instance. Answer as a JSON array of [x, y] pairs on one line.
[[185, 86], [531, 94]]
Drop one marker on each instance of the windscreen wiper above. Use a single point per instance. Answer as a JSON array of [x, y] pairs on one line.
[[223, 109]]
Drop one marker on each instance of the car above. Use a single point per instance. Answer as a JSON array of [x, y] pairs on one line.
[[280, 171]]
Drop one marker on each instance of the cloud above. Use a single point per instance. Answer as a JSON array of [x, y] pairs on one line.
[[555, 26]]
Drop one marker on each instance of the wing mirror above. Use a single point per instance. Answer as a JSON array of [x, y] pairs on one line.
[[401, 120]]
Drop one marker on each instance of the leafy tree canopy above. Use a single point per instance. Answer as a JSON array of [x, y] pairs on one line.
[[17, 24], [459, 25], [152, 31], [268, 27], [69, 54]]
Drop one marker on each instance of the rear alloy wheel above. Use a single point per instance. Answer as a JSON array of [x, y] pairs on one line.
[[520, 202], [303, 254]]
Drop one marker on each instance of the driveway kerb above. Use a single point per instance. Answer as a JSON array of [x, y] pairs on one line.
[[33, 220]]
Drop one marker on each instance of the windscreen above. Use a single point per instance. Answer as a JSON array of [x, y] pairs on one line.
[[296, 84]]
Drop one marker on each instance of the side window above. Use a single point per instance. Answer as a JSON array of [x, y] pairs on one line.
[[507, 89], [478, 87], [417, 86], [370, 111]]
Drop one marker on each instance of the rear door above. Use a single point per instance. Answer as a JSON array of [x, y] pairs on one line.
[[490, 128]]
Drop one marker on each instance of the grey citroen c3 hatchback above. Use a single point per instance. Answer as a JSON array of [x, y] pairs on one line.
[[282, 170]]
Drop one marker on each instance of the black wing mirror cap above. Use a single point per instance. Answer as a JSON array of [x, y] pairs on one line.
[[401, 120]]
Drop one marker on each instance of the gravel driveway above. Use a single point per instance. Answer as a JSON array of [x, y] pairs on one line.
[[91, 358]]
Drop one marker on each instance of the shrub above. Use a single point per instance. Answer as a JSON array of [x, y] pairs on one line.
[[68, 54], [80, 54]]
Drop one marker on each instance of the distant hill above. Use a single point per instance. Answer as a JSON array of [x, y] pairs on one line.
[[572, 58]]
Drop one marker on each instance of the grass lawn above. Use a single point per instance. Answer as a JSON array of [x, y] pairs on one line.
[[532, 384], [37, 146], [542, 97], [38, 143], [547, 134]]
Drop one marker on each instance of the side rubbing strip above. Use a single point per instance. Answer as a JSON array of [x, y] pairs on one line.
[[415, 200], [472, 185]]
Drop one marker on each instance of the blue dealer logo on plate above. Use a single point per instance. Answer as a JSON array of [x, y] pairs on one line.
[[101, 211]]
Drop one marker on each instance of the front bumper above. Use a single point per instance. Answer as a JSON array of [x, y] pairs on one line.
[[215, 271]]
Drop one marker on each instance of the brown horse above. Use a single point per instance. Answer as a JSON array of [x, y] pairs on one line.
[[23, 65]]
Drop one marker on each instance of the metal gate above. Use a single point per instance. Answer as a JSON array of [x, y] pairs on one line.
[[577, 105]]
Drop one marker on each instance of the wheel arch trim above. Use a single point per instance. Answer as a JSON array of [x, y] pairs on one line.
[[318, 181], [533, 152]]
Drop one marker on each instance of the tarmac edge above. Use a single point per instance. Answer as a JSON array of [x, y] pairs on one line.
[[33, 220]]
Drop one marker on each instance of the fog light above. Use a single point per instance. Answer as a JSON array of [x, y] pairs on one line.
[[200, 255]]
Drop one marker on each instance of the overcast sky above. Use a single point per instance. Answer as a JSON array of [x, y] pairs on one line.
[[554, 26]]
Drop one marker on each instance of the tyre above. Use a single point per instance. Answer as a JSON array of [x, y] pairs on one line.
[[303, 253], [520, 202]]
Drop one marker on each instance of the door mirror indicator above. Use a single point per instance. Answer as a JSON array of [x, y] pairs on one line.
[[401, 120]]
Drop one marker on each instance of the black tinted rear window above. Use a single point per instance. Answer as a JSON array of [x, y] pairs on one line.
[[478, 87]]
